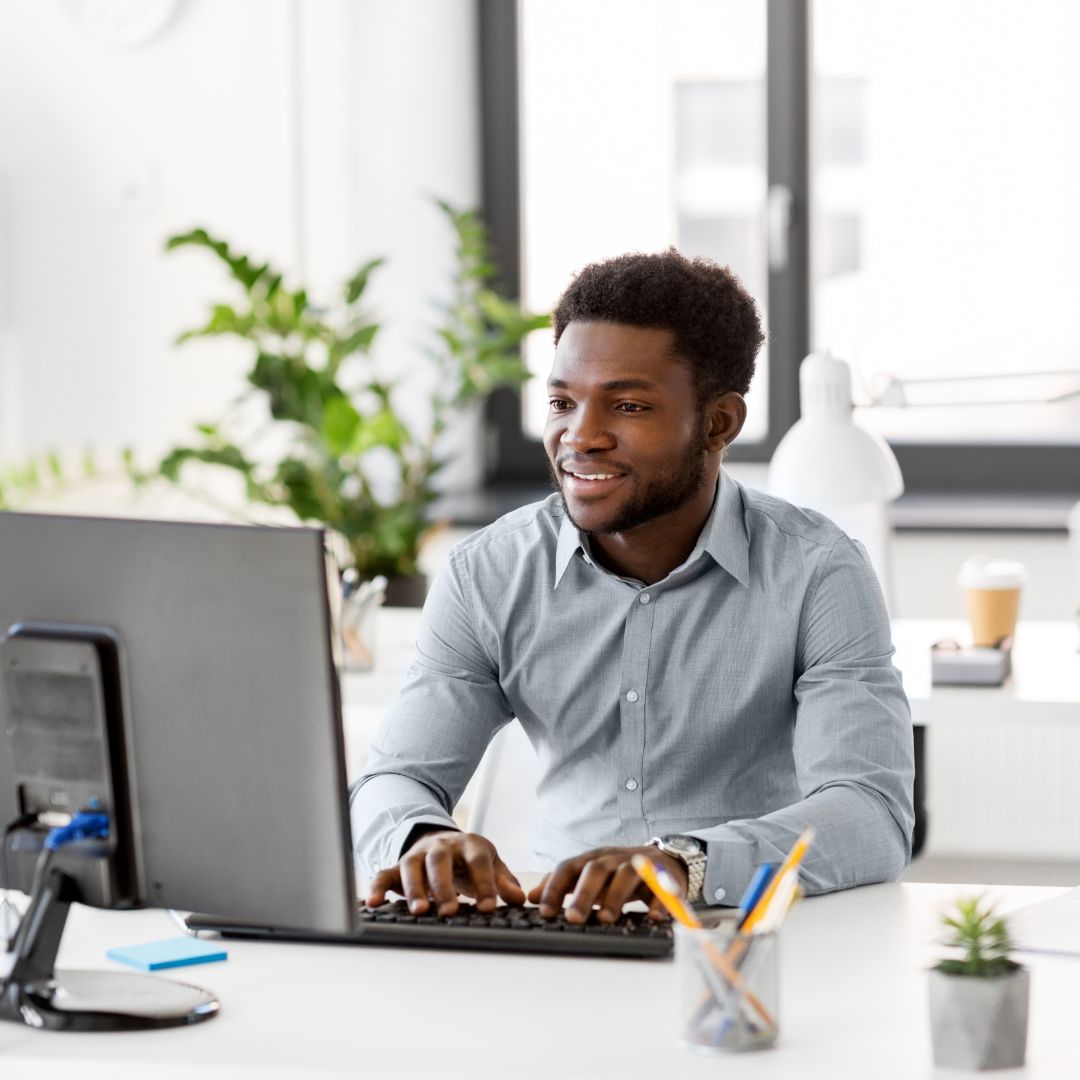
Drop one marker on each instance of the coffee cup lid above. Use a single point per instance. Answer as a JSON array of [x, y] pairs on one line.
[[983, 572]]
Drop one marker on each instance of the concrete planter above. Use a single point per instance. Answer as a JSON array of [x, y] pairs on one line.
[[979, 1023]]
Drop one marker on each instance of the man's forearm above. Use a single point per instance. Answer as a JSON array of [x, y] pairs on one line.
[[858, 841]]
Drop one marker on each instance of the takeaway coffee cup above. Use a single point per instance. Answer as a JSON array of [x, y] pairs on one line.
[[992, 588]]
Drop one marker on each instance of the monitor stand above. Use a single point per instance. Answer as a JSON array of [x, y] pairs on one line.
[[38, 996]]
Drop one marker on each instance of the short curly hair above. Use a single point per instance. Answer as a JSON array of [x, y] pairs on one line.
[[714, 319]]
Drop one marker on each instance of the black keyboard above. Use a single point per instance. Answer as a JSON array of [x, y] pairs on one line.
[[506, 929]]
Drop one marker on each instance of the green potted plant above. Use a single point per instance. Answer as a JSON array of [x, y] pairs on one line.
[[342, 453], [979, 999]]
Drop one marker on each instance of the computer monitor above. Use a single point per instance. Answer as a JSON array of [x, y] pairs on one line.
[[232, 750]]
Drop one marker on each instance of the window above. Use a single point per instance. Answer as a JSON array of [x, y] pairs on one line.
[[936, 253], [957, 298], [642, 124]]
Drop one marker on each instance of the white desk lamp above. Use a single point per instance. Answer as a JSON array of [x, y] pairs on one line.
[[828, 463]]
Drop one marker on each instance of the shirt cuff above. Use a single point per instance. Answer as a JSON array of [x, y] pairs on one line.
[[729, 869], [401, 833]]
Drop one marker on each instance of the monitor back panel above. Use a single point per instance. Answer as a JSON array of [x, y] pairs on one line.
[[239, 793]]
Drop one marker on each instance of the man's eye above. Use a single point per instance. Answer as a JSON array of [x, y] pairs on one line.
[[558, 405], [631, 407]]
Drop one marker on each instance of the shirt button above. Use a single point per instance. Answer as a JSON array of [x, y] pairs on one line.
[[631, 784], [631, 695], [719, 894], [645, 597]]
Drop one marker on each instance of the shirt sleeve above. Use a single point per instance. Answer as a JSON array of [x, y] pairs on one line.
[[434, 734], [853, 748]]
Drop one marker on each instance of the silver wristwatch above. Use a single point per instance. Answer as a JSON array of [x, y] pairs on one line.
[[691, 853]]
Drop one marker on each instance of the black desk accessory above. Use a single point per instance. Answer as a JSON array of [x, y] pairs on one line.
[[953, 664], [62, 709]]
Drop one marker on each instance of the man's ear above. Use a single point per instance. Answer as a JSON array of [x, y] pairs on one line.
[[725, 416]]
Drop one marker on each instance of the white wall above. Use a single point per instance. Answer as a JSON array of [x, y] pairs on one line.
[[310, 133]]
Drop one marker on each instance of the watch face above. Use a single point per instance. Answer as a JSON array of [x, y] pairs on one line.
[[684, 845]]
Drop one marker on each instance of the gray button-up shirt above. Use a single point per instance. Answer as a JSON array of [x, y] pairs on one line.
[[748, 694]]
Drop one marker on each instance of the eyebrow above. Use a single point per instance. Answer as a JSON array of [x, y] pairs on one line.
[[615, 384]]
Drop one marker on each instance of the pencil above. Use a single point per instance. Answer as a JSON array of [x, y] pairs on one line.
[[795, 856]]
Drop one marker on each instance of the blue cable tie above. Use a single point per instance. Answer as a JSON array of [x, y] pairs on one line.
[[81, 827]]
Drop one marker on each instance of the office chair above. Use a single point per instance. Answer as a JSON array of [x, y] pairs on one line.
[[504, 802]]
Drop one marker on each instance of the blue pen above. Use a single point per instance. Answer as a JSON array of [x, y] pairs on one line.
[[758, 884]]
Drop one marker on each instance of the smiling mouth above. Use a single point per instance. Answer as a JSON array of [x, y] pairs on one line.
[[589, 483]]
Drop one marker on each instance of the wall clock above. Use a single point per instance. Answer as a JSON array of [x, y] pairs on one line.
[[122, 23]]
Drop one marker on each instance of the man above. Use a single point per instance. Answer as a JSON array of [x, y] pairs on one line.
[[703, 670]]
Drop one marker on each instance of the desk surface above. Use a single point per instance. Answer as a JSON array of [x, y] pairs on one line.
[[1044, 686], [853, 1004]]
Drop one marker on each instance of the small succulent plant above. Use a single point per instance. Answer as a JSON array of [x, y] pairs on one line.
[[981, 935]]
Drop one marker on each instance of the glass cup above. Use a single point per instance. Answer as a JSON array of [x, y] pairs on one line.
[[728, 988], [360, 603], [992, 588]]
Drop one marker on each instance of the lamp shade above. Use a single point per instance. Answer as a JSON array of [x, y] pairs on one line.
[[826, 460]]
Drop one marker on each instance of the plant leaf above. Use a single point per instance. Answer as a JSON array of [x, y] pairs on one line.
[[240, 266], [227, 455], [382, 429], [223, 320], [356, 285], [358, 341], [295, 391], [304, 493], [340, 425]]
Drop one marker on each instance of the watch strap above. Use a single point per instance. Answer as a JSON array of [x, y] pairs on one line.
[[694, 862]]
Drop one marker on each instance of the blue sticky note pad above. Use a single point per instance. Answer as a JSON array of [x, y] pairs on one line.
[[170, 953]]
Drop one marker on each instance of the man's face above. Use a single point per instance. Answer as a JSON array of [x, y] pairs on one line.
[[625, 434]]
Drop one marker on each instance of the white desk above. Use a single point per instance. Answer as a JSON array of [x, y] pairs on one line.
[[1044, 686], [853, 1004], [1000, 762]]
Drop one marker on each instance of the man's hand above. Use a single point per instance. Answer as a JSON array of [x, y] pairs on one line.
[[603, 877], [442, 865]]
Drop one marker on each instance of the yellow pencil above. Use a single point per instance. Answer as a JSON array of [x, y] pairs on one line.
[[646, 869], [795, 856]]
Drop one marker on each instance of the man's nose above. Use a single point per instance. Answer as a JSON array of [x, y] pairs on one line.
[[584, 432]]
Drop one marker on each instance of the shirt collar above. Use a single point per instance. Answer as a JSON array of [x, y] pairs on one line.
[[569, 541], [723, 536]]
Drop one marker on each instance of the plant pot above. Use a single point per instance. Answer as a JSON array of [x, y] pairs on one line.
[[979, 1023], [406, 591]]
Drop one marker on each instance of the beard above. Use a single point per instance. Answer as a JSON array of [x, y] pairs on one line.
[[662, 495]]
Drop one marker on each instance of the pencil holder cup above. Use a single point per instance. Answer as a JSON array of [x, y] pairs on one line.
[[359, 614], [728, 988]]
